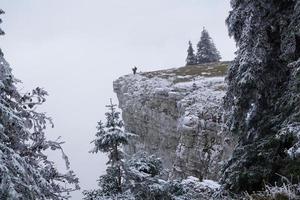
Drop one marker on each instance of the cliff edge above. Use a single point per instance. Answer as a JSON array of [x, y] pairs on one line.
[[177, 115]]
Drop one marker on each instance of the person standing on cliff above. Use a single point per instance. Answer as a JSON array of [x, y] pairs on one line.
[[134, 70]]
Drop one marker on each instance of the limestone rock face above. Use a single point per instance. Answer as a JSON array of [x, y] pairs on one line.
[[177, 115]]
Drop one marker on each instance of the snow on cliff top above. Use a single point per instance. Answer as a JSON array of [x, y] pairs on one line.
[[195, 88], [177, 79]]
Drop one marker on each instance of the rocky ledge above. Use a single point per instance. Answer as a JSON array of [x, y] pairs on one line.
[[177, 115]]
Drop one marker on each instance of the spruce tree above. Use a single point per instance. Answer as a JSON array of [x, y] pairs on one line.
[[110, 138], [206, 49], [25, 171], [191, 58], [263, 93]]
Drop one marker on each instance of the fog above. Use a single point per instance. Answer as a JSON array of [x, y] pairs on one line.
[[76, 48]]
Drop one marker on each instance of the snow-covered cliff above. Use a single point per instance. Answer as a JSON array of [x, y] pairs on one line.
[[177, 115]]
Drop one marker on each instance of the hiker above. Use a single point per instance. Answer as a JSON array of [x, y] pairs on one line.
[[134, 70]]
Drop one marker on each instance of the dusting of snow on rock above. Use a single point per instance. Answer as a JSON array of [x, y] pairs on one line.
[[210, 184], [202, 184], [177, 115]]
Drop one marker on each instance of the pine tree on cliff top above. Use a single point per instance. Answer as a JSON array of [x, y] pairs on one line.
[[25, 171], [263, 93], [191, 58], [206, 49]]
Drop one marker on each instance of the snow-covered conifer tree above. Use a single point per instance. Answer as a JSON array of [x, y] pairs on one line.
[[191, 58], [25, 171], [142, 177], [110, 139], [263, 93], [206, 49]]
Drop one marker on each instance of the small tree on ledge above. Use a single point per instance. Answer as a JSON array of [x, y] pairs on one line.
[[191, 58], [206, 49]]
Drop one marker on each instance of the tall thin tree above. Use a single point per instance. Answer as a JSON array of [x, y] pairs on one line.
[[110, 138], [191, 58]]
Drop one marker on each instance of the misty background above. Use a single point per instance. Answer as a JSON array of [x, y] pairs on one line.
[[76, 48]]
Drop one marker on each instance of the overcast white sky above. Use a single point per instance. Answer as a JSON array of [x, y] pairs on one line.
[[76, 48]]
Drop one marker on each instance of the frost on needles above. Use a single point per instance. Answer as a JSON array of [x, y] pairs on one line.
[[262, 101]]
